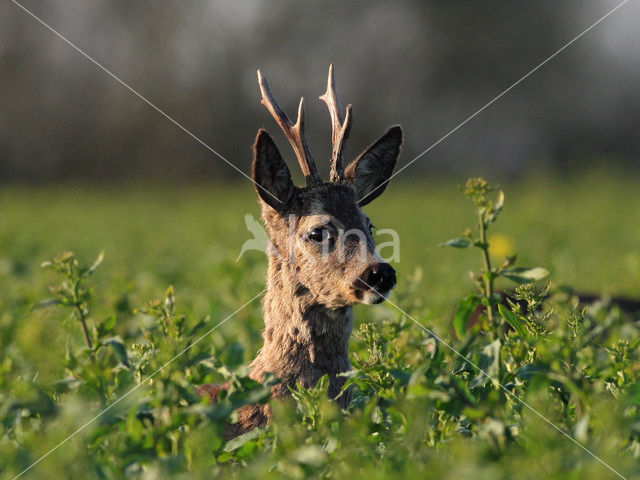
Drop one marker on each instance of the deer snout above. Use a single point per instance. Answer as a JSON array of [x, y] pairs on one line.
[[377, 281]]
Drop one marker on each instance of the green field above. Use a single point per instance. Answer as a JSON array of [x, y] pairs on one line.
[[585, 230]]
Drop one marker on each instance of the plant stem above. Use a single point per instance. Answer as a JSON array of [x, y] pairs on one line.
[[83, 322], [488, 274]]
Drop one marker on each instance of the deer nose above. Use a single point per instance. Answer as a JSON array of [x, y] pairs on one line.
[[380, 277]]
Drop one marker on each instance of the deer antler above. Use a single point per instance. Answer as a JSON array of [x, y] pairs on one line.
[[293, 132], [339, 129]]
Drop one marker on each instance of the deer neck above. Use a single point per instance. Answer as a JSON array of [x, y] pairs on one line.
[[303, 340]]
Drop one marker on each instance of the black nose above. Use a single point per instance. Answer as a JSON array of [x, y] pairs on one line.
[[380, 277]]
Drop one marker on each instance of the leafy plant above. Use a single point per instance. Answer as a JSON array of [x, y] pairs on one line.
[[488, 208], [420, 409], [71, 292]]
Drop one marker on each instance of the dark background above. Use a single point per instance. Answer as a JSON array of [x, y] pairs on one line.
[[425, 65]]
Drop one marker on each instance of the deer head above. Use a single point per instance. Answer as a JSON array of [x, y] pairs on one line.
[[321, 240]]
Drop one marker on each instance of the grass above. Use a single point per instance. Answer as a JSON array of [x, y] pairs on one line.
[[585, 230]]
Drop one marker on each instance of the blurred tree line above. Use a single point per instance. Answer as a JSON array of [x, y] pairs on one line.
[[426, 65]]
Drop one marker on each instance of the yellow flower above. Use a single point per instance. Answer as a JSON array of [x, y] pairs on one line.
[[501, 246]]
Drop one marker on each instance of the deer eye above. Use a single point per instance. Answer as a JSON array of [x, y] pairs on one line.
[[318, 234]]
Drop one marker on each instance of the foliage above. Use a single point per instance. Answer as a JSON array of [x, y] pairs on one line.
[[474, 403], [487, 210]]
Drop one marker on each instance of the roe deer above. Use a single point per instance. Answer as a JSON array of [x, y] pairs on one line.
[[322, 257]]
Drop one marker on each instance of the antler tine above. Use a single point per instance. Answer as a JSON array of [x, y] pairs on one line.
[[339, 129], [293, 132]]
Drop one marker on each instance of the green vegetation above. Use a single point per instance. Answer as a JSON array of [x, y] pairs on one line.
[[80, 334]]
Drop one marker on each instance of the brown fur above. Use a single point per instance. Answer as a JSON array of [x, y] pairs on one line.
[[312, 285]]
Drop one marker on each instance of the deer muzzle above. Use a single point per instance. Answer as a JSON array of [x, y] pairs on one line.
[[376, 282]]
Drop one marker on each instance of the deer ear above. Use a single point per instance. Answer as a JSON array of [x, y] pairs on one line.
[[270, 173], [371, 171]]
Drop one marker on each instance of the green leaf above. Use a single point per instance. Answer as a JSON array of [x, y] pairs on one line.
[[240, 440], [106, 325], [96, 264], [533, 369], [489, 363], [462, 389], [465, 308], [493, 213], [418, 391], [119, 348], [499, 202], [513, 320], [457, 243], [47, 303], [312, 455], [581, 429], [525, 275], [66, 385]]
